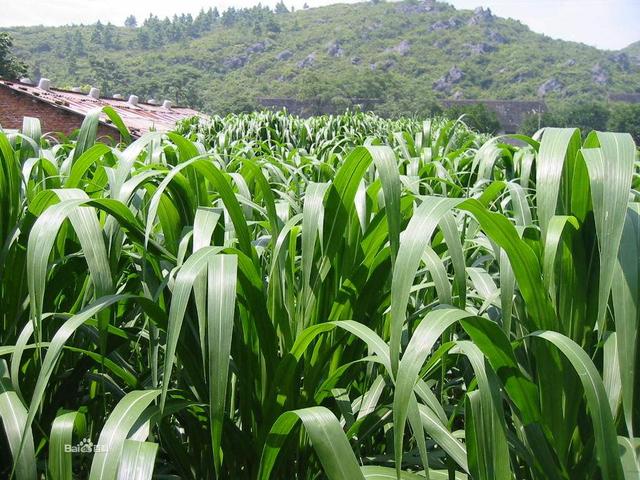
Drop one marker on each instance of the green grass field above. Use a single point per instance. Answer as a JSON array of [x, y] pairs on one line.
[[261, 296]]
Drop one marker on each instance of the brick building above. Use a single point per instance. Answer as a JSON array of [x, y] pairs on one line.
[[62, 111]]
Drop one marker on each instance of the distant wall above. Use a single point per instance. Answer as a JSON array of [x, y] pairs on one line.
[[14, 106], [511, 113]]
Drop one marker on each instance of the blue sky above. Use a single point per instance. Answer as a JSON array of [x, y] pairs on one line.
[[609, 24]]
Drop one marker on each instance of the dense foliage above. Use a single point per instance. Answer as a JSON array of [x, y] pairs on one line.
[[477, 116], [420, 298], [617, 117], [405, 54], [10, 66]]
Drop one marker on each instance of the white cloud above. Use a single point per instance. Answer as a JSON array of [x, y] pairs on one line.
[[608, 24]]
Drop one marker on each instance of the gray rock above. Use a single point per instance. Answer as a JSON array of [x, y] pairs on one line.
[[284, 55], [356, 60], [453, 22], [258, 47], [551, 85], [383, 65], [569, 63], [599, 75], [308, 61], [444, 83], [402, 48], [233, 63], [387, 65], [480, 15], [622, 60], [479, 48], [424, 6], [285, 78], [458, 95], [335, 50], [521, 77], [496, 37]]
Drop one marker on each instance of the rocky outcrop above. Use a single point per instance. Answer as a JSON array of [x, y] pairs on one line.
[[284, 55], [453, 22], [356, 60], [308, 61], [233, 63], [479, 48], [444, 83], [522, 77], [569, 63], [424, 6], [335, 50], [496, 37], [386, 65], [622, 60], [403, 48], [258, 47], [599, 75], [285, 78], [551, 85], [480, 15], [383, 65]]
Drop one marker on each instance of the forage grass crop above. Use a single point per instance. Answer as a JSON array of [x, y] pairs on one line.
[[345, 297]]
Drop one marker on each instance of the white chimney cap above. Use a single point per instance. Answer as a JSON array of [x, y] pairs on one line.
[[26, 80], [94, 93], [44, 84], [167, 104], [133, 100], [117, 96]]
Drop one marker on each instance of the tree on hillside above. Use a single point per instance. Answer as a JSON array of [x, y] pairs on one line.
[[281, 7], [626, 118], [584, 115], [10, 66], [110, 37], [106, 74], [98, 31], [476, 116], [587, 116], [143, 38], [131, 22], [77, 44]]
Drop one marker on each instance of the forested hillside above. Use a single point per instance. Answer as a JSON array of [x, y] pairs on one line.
[[407, 54]]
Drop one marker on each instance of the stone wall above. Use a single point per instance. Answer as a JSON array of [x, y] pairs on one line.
[[511, 113]]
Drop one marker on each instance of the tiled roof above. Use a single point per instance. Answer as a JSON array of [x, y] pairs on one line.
[[140, 118]]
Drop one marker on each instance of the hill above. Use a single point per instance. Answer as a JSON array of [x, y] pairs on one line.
[[633, 51], [406, 54]]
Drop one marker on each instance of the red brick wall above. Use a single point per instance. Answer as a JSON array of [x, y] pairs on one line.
[[14, 106]]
